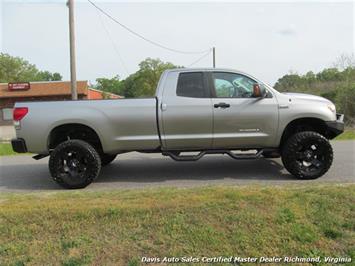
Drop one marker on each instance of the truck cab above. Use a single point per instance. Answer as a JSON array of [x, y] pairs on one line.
[[214, 109]]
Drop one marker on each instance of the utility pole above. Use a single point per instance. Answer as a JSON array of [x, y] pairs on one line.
[[214, 56], [74, 92]]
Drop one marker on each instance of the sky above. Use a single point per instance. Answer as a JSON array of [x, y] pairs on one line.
[[264, 39]]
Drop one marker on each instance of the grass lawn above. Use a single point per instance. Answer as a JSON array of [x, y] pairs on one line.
[[6, 149], [118, 227], [348, 134]]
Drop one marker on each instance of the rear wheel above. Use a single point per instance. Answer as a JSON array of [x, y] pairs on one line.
[[307, 155], [107, 158], [74, 164]]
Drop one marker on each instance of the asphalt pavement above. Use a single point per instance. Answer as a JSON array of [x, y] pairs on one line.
[[137, 170]]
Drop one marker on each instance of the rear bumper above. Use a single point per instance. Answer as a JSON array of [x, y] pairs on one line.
[[19, 145], [335, 128]]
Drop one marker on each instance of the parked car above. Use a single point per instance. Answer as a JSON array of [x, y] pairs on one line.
[[194, 110]]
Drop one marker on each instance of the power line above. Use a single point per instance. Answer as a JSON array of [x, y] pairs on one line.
[[142, 37], [200, 58], [113, 43]]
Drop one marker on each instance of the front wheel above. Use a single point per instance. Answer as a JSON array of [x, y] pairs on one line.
[[74, 164], [307, 155]]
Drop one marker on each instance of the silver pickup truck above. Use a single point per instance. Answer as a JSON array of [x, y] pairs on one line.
[[194, 112]]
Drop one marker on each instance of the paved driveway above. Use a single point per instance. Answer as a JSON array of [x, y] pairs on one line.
[[135, 170]]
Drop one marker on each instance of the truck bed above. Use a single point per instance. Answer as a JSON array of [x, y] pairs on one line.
[[121, 124]]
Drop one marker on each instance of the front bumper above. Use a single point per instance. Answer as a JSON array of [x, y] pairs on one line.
[[335, 128], [19, 145]]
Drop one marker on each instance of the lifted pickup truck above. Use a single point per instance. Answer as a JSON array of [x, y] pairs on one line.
[[198, 111]]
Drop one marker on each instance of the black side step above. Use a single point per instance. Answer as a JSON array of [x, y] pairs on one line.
[[40, 156], [175, 155]]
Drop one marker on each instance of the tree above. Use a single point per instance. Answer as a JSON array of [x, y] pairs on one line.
[[329, 74], [109, 85], [288, 82], [144, 82], [336, 84], [139, 84], [345, 99], [16, 69], [310, 77], [46, 75], [345, 61]]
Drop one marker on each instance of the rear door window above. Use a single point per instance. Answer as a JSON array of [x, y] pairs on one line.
[[191, 84]]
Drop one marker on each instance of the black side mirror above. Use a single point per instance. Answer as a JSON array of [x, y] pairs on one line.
[[258, 91]]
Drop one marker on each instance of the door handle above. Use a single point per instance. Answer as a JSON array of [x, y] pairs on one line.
[[222, 105], [283, 106]]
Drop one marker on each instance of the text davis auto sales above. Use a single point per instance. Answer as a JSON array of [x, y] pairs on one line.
[[231, 259]]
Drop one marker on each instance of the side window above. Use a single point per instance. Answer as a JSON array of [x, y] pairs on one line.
[[232, 85], [224, 88], [191, 85]]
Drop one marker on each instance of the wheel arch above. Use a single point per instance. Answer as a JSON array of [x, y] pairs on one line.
[[304, 124], [66, 131]]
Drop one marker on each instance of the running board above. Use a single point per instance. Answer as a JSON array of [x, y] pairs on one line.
[[40, 156], [175, 155]]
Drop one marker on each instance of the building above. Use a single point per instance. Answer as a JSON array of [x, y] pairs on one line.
[[43, 91]]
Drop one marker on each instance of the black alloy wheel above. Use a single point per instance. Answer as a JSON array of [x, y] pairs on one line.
[[74, 164], [307, 155]]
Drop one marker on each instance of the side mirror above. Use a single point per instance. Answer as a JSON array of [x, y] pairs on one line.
[[258, 91]]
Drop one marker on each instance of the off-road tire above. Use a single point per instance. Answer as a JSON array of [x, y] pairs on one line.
[[84, 160], [295, 154], [107, 158]]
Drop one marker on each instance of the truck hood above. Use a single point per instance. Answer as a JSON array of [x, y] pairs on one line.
[[305, 96]]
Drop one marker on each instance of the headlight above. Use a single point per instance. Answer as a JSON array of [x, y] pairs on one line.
[[331, 107]]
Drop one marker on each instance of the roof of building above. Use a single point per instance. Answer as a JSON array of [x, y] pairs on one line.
[[43, 89]]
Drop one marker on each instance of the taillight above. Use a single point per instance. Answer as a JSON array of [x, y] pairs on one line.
[[19, 113]]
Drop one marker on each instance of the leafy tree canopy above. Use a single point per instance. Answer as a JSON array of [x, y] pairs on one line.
[[48, 76], [336, 84], [315, 82], [139, 84], [16, 69], [112, 85]]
